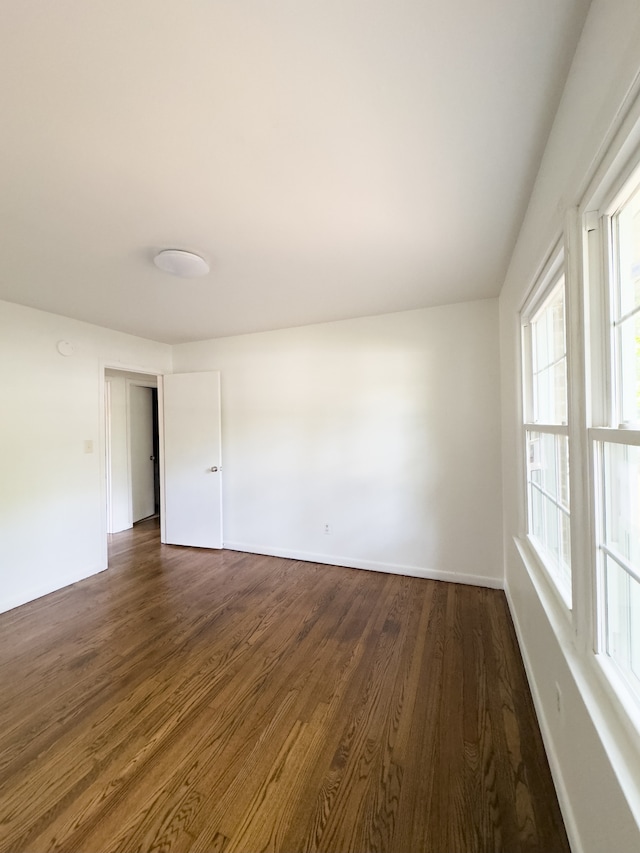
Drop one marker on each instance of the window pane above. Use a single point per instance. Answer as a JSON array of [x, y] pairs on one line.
[[628, 349], [542, 356], [549, 465], [565, 556], [549, 360], [549, 526], [537, 515], [621, 481], [623, 620], [627, 324], [622, 500], [628, 232]]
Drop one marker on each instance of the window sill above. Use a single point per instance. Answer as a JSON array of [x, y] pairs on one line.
[[606, 697], [548, 591], [625, 702]]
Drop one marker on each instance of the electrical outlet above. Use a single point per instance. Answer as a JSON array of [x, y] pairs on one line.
[[327, 529]]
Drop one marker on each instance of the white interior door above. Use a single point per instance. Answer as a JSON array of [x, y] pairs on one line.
[[191, 460], [141, 443]]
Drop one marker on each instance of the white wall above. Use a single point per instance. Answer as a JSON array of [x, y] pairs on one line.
[[595, 764], [52, 501], [386, 428]]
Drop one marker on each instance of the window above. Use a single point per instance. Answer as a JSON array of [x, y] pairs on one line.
[[625, 298], [616, 446], [546, 427]]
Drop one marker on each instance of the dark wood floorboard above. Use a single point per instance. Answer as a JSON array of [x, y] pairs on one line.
[[192, 700]]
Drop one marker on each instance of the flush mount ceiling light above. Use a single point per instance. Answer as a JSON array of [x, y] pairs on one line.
[[178, 262]]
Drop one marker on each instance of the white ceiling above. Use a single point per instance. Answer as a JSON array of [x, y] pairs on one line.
[[330, 158]]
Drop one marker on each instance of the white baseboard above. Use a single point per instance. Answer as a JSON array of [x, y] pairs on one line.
[[368, 565], [27, 595], [566, 808]]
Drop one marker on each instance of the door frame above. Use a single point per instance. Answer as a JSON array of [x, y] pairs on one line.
[[163, 508]]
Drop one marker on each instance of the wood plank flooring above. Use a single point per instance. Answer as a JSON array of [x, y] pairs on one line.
[[189, 700]]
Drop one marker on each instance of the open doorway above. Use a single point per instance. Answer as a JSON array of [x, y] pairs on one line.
[[143, 450], [132, 449]]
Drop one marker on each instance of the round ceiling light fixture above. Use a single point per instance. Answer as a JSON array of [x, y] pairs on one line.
[[179, 262]]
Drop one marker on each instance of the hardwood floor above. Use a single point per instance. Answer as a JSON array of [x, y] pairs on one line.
[[189, 700]]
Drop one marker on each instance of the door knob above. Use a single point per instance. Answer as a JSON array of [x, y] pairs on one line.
[[214, 468]]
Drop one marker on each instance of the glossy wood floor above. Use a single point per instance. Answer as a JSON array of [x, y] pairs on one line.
[[188, 700]]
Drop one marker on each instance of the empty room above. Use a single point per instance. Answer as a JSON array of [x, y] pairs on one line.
[[320, 426]]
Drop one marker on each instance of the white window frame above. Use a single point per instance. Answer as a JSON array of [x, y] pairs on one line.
[[615, 185], [545, 283]]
